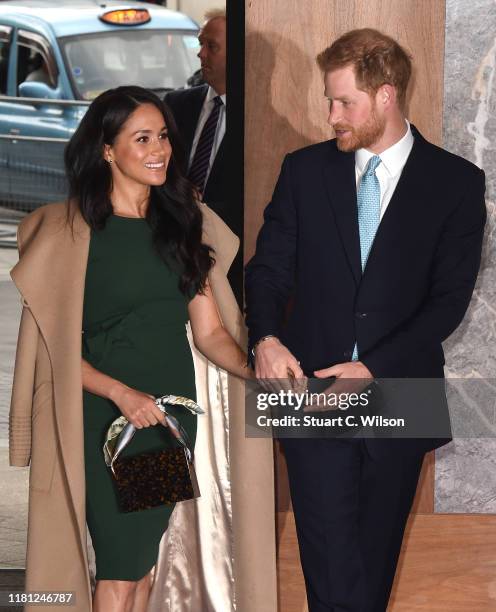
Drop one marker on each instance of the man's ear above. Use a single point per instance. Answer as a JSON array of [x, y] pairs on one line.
[[386, 95]]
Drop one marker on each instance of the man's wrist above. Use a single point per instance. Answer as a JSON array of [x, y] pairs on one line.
[[262, 339]]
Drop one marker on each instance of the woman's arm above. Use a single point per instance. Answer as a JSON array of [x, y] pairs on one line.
[[212, 339], [138, 407]]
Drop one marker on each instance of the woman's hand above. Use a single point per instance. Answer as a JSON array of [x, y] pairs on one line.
[[139, 408]]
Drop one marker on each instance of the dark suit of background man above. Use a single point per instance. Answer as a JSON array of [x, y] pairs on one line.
[[200, 114], [376, 237]]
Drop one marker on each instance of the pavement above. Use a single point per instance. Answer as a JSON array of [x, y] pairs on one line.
[[8, 226], [13, 481], [13, 513]]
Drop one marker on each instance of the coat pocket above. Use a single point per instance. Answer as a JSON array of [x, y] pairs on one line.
[[43, 443]]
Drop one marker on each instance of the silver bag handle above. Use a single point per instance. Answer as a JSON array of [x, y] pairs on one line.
[[121, 431]]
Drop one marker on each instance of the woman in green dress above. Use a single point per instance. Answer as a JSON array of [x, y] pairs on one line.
[[146, 277]]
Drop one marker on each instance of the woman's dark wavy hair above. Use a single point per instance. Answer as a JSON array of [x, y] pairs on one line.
[[173, 213]]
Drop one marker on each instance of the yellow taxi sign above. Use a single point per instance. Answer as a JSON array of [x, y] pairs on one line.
[[126, 17]]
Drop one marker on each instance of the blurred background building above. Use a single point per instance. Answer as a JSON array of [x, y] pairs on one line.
[[193, 8]]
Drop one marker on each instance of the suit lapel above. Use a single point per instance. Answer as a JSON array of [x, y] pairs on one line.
[[192, 114], [341, 187], [409, 189], [218, 165], [340, 181], [215, 178]]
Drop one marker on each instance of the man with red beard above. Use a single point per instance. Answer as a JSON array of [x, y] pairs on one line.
[[365, 264]]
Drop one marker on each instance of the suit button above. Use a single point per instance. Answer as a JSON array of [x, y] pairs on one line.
[[361, 315], [347, 355]]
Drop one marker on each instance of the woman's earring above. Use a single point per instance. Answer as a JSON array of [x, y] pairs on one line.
[[109, 160]]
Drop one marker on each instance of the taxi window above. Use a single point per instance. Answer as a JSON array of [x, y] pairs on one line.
[[5, 34], [34, 59], [155, 59]]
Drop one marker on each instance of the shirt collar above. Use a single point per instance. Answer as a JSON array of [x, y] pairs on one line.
[[393, 159], [211, 94]]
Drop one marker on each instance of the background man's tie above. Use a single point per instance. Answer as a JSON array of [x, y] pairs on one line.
[[199, 166], [369, 214]]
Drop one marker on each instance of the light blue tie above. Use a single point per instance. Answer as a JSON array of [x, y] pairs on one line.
[[369, 214]]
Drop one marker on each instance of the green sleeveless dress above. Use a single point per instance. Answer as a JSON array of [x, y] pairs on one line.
[[134, 321]]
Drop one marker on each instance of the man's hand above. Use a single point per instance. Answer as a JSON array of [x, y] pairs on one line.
[[351, 377], [274, 361], [350, 369]]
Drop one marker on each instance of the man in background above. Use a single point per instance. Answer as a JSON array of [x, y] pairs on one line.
[[375, 239], [200, 114]]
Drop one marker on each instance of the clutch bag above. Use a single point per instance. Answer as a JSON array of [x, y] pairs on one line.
[[156, 478]]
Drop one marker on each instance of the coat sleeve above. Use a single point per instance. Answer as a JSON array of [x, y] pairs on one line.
[[270, 275], [22, 391], [23, 387]]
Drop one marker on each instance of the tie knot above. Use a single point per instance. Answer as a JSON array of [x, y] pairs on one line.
[[372, 165], [217, 101]]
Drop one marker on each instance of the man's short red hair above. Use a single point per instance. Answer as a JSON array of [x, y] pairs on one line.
[[376, 58]]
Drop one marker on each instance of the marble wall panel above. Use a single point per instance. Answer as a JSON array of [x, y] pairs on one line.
[[466, 469]]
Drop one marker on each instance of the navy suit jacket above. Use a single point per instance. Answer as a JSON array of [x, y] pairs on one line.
[[418, 280]]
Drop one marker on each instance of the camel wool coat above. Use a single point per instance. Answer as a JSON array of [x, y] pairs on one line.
[[46, 423]]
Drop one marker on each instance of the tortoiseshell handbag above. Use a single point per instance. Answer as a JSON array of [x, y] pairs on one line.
[[152, 479]]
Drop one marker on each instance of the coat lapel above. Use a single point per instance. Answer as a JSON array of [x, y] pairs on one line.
[[225, 244], [339, 176], [50, 276]]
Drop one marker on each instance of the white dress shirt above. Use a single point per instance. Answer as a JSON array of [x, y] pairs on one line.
[[389, 171], [208, 105]]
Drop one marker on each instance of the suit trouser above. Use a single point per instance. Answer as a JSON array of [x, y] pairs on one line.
[[350, 510]]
